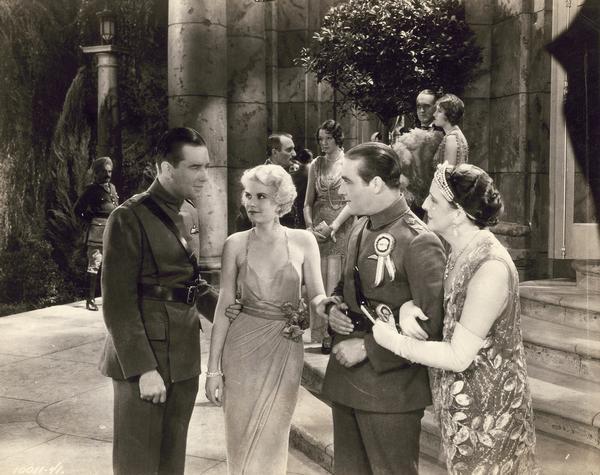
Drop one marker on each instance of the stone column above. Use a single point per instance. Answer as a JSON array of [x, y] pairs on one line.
[[108, 102], [198, 98], [246, 85], [109, 126]]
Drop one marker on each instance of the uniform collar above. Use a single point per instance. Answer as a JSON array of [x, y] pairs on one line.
[[389, 214], [158, 191]]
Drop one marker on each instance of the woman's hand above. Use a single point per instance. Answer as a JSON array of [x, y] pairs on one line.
[[386, 336], [409, 313], [233, 311], [214, 389], [334, 229], [320, 237]]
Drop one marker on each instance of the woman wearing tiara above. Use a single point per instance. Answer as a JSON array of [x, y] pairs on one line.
[[480, 387]]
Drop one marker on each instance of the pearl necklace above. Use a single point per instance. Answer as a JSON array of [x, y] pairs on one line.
[[453, 260]]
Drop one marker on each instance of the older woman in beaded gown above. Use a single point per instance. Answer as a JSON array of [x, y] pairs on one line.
[[255, 363], [480, 387]]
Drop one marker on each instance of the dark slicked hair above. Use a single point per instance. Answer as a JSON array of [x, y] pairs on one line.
[[274, 141], [169, 145], [377, 159], [430, 92]]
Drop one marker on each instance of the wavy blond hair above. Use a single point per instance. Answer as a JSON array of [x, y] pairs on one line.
[[276, 177]]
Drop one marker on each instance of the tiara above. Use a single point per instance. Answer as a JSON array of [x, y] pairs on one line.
[[440, 179]]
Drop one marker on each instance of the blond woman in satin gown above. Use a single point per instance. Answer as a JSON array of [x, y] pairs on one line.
[[255, 363]]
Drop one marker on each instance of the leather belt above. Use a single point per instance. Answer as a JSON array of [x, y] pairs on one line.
[[185, 295]]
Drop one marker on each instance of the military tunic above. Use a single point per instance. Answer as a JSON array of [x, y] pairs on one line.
[[385, 383], [94, 206], [146, 333]]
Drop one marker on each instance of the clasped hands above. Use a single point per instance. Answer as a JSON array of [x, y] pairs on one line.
[[349, 352], [352, 351], [330, 233]]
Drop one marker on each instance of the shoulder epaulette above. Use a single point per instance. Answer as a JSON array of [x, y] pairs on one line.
[[414, 223]]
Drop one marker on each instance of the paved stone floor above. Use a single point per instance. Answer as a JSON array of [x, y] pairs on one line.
[[56, 408]]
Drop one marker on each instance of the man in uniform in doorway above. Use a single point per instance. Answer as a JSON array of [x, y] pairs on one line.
[[150, 285], [378, 398], [94, 206]]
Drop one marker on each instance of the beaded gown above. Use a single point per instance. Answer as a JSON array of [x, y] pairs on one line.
[[329, 202], [262, 370], [485, 411], [462, 151]]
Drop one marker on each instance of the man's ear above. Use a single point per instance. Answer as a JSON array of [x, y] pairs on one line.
[[165, 168], [377, 184]]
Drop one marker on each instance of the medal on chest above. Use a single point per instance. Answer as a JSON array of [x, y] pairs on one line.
[[384, 244]]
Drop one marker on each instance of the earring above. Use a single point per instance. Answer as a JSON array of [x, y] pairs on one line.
[[455, 229]]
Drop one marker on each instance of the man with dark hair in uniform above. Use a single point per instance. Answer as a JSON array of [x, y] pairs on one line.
[[280, 151], [378, 398], [94, 206], [150, 285]]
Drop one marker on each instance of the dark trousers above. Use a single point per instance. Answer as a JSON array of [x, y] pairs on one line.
[[151, 438], [373, 443]]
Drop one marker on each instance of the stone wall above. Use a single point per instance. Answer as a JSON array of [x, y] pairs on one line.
[[507, 108], [299, 104], [507, 118]]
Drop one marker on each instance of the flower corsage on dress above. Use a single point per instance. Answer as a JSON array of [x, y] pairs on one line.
[[297, 319]]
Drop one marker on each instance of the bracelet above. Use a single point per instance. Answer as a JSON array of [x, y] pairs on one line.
[[213, 374]]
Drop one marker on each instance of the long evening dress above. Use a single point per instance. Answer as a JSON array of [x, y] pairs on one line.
[[485, 412], [262, 370]]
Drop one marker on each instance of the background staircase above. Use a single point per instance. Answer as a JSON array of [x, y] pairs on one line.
[[561, 330]]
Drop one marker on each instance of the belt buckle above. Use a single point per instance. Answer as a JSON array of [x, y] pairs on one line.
[[191, 295]]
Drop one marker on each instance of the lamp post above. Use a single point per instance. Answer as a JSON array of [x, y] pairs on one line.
[[108, 126]]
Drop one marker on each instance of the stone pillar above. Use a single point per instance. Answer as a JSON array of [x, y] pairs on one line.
[[108, 103], [108, 126], [246, 85], [197, 78]]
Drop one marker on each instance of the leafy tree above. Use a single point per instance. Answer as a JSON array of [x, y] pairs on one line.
[[378, 54], [47, 129]]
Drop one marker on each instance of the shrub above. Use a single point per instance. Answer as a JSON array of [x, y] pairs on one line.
[[28, 274], [378, 54]]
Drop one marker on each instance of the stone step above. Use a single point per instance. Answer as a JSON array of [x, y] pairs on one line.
[[312, 434], [561, 301], [561, 348], [565, 405], [556, 456]]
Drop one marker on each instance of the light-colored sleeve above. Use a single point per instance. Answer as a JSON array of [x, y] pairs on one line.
[[456, 355]]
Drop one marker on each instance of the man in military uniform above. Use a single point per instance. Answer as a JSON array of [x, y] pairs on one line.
[[378, 398], [280, 151], [150, 283], [94, 206]]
